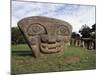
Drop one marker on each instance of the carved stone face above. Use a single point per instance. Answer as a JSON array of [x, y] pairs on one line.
[[45, 35]]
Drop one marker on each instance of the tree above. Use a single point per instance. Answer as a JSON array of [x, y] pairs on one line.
[[16, 36], [93, 35], [75, 35], [93, 28], [85, 31]]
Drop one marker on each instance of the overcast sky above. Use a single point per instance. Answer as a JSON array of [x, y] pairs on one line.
[[76, 15]]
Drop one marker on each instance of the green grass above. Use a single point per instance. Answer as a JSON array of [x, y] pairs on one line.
[[74, 58]]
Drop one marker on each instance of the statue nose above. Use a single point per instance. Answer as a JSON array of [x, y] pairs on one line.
[[51, 39], [48, 38]]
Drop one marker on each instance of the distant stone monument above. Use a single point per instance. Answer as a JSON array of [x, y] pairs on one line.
[[45, 35]]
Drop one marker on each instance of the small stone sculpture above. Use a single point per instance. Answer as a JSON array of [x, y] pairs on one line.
[[45, 35]]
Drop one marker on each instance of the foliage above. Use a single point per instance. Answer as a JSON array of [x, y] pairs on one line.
[[85, 31], [93, 28], [88, 32], [16, 36], [93, 31], [75, 35]]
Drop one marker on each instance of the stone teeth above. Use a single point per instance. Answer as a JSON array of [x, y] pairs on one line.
[[51, 46]]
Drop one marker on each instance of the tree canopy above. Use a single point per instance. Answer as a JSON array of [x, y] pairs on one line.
[[17, 37], [87, 32], [75, 35]]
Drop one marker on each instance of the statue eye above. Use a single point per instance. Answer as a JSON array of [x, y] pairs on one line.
[[35, 29], [62, 30]]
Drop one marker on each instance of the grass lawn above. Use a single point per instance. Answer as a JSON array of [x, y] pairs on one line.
[[74, 58]]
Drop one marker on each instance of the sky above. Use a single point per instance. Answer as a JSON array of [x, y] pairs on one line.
[[76, 15]]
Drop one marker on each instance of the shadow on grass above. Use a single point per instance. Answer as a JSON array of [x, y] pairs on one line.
[[22, 53]]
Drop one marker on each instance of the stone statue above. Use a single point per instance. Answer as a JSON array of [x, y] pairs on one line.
[[45, 35]]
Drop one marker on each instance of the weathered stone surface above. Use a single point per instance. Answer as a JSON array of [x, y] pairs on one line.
[[45, 35]]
